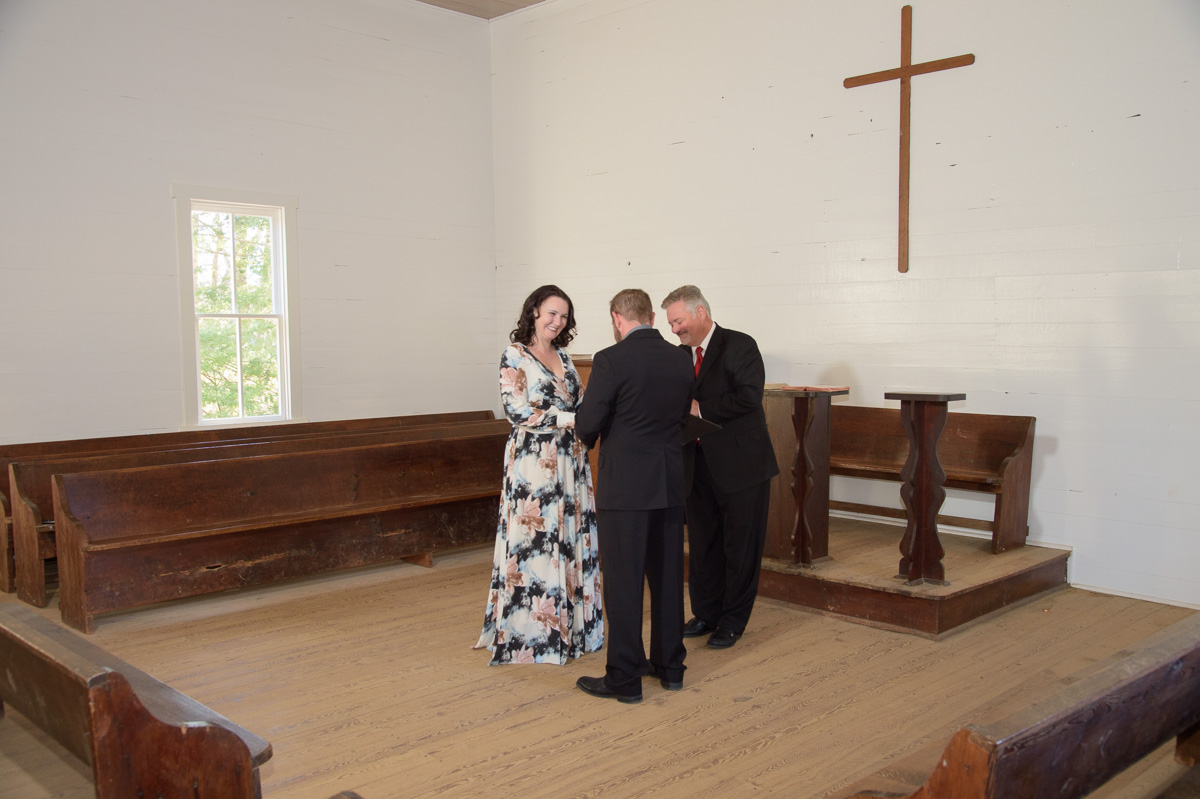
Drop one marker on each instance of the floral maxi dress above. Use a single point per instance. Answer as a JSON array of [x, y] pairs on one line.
[[544, 605]]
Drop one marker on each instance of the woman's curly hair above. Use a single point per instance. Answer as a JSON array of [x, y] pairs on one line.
[[523, 332]]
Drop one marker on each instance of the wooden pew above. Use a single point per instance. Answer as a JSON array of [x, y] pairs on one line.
[[32, 497], [140, 736], [979, 452], [131, 537], [11, 452], [1075, 740]]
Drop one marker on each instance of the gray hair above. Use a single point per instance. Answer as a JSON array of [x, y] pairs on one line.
[[692, 299]]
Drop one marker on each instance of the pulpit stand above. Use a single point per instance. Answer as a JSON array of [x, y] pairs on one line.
[[810, 474], [923, 492]]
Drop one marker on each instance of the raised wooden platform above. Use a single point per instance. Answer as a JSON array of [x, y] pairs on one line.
[[859, 580]]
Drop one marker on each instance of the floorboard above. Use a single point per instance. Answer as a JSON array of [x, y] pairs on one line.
[[366, 681]]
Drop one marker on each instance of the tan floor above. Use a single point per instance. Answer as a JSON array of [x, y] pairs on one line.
[[367, 681]]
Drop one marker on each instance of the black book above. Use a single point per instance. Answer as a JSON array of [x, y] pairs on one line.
[[694, 427]]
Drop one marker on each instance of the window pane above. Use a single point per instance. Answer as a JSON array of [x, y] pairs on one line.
[[218, 369], [260, 367], [252, 257], [212, 261], [238, 308]]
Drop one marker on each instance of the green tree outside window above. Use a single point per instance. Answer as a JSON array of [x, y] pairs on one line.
[[237, 326]]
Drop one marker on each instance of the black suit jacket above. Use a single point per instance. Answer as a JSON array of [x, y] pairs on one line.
[[637, 396], [729, 390]]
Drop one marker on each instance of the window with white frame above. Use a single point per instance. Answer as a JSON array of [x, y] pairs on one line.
[[239, 324]]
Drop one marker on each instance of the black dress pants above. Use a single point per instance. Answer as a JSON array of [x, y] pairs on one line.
[[726, 534], [639, 547]]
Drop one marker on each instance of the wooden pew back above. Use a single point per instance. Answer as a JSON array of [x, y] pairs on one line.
[[147, 441], [1076, 741], [30, 484], [866, 435], [140, 736], [984, 443], [141, 501], [974, 447], [191, 438], [978, 452], [1079, 738], [32, 495], [133, 537]]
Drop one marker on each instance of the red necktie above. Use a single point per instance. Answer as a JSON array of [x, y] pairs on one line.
[[699, 359]]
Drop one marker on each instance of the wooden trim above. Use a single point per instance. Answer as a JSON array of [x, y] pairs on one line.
[[899, 513]]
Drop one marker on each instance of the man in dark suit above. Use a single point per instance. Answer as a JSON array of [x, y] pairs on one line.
[[637, 396], [728, 472]]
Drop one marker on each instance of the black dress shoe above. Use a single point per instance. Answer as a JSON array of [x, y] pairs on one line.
[[663, 681], [722, 638], [596, 686], [696, 628]]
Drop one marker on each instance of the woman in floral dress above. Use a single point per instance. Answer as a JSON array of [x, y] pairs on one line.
[[544, 605]]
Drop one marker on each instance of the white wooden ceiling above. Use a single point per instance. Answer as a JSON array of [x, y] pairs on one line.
[[485, 9]]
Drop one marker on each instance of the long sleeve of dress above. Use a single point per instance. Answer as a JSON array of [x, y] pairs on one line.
[[524, 405]]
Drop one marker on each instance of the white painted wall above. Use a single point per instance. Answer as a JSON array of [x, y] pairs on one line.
[[375, 115], [1055, 236], [1055, 263]]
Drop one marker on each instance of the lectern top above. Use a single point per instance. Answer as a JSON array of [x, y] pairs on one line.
[[923, 396]]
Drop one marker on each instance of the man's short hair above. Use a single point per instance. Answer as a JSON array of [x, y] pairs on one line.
[[634, 305], [692, 299]]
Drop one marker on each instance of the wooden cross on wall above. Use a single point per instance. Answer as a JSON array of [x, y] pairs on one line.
[[905, 72]]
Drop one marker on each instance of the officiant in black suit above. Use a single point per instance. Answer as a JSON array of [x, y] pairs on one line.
[[728, 472], [636, 398]]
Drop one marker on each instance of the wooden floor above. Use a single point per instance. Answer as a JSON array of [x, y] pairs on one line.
[[367, 681]]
